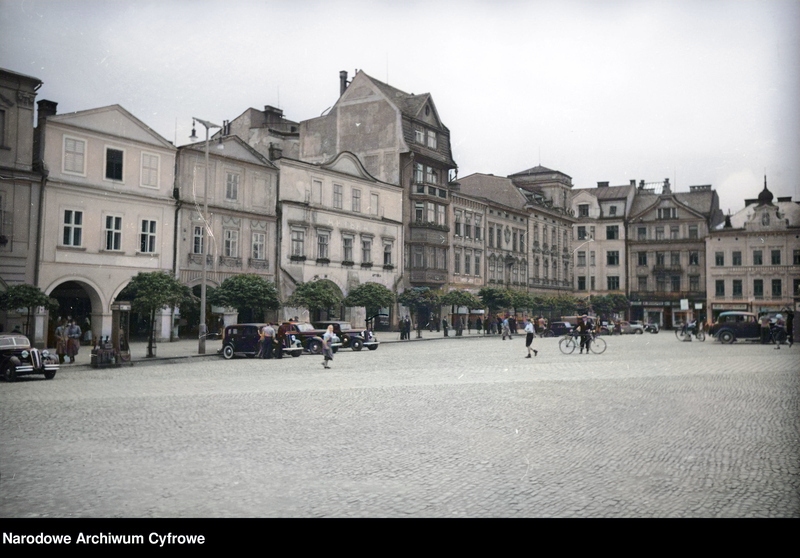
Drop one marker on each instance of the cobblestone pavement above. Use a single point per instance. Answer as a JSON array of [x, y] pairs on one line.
[[457, 427]]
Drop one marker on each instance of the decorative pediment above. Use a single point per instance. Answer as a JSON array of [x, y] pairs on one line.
[[113, 121], [348, 163]]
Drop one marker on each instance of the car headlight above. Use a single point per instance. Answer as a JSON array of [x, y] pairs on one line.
[[25, 354], [45, 353]]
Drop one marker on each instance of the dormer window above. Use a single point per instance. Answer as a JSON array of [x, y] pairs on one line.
[[667, 213], [583, 210], [431, 139]]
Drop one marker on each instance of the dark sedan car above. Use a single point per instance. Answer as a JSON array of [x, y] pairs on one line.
[[742, 326], [355, 339], [18, 358], [557, 329], [243, 339]]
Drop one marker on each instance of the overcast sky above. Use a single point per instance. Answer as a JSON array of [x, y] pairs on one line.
[[702, 92]]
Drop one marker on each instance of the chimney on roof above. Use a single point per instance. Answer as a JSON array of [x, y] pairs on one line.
[[46, 108], [272, 115], [667, 189], [342, 82], [602, 184], [275, 151], [641, 184], [633, 182]]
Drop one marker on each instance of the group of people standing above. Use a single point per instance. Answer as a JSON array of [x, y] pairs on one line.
[[68, 340]]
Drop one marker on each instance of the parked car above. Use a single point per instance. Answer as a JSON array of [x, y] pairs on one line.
[[631, 327], [310, 337], [18, 358], [355, 339], [734, 326], [243, 340], [558, 329], [649, 327]]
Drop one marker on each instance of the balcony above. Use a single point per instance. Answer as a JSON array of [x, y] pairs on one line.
[[258, 264], [664, 269], [429, 225], [428, 276]]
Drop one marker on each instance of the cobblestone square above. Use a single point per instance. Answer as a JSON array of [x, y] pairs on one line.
[[456, 427]]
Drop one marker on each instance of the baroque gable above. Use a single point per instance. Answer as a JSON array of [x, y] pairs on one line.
[[113, 121]]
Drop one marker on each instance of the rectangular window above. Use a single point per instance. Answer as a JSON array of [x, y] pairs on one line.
[[478, 232], [337, 196], [322, 245], [457, 262], [419, 257], [73, 227], [418, 173], [694, 258], [150, 165], [74, 152], [591, 258], [477, 265], [356, 200], [673, 233], [612, 210], [642, 279], [796, 257], [719, 258], [366, 250], [758, 288], [419, 212], [114, 164], [612, 258], [642, 258], [581, 234], [514, 241], [581, 282], [661, 283], [659, 233], [468, 226], [591, 282], [430, 176], [693, 232], [431, 139], [347, 246], [298, 243], [373, 204], [676, 283], [613, 283], [467, 262], [776, 288], [674, 259], [430, 209], [232, 186], [457, 224], [197, 240], [758, 258], [720, 287], [694, 283], [491, 237], [147, 237], [419, 136], [668, 213], [581, 258], [440, 214], [612, 232], [583, 210], [737, 258], [231, 246], [113, 232], [259, 242], [387, 254], [737, 288], [776, 257], [661, 258], [641, 233]]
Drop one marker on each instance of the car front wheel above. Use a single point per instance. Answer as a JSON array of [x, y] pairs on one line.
[[10, 373], [639, 332], [357, 344], [227, 352], [315, 347], [726, 337], [372, 347]]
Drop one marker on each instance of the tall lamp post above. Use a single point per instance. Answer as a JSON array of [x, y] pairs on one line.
[[201, 349]]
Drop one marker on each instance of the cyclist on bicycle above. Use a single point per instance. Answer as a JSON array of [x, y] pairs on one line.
[[584, 329]]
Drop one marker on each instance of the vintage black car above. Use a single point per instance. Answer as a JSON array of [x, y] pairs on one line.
[[355, 339], [310, 336], [557, 329], [18, 358], [742, 326], [243, 340]]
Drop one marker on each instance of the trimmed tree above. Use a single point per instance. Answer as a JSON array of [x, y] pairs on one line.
[[315, 296], [27, 297], [152, 291], [248, 293], [371, 296], [495, 299], [418, 299]]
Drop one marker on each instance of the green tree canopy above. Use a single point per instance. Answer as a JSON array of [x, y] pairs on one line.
[[417, 298], [315, 295], [246, 292], [495, 299], [372, 296], [26, 296], [460, 297]]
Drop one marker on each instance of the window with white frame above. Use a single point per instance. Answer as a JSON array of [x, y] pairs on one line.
[[440, 219], [477, 264], [387, 253], [419, 136], [113, 232], [667, 212], [430, 175], [457, 224], [73, 228], [477, 227], [418, 173], [468, 225], [323, 238], [197, 239], [337, 196], [114, 159], [232, 186], [431, 139], [356, 200], [366, 250], [74, 155], [457, 262], [231, 243], [258, 251], [467, 262], [298, 242], [150, 165], [147, 237], [373, 204], [347, 248]]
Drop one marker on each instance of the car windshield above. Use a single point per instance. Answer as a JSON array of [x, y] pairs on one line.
[[305, 327]]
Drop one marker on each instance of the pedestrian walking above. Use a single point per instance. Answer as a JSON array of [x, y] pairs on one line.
[[506, 329], [268, 337], [478, 325], [61, 340], [529, 334], [74, 341], [444, 326], [789, 326], [764, 329], [327, 348]]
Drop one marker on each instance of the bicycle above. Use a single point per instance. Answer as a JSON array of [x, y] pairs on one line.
[[569, 343], [686, 331]]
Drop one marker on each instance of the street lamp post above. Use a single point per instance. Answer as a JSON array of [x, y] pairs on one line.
[[201, 349]]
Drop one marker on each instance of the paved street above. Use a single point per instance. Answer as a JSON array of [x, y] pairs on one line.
[[457, 427]]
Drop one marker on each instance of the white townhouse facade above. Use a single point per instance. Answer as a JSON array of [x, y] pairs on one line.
[[338, 224], [239, 233], [108, 211]]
